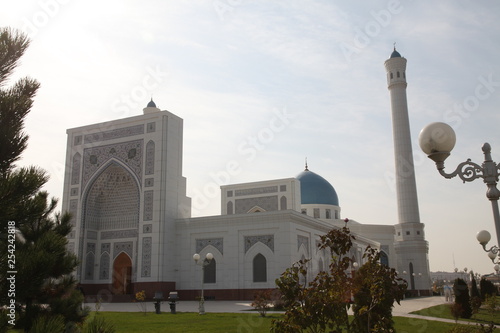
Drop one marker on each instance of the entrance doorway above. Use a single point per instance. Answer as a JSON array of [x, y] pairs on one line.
[[122, 274]]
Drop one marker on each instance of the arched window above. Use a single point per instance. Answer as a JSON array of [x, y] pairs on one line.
[[210, 272], [283, 203], [229, 207], [384, 259], [259, 268]]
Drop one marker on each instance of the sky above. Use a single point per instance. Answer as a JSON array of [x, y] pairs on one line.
[[264, 85]]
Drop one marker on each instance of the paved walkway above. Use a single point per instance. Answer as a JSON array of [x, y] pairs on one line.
[[407, 306], [402, 310]]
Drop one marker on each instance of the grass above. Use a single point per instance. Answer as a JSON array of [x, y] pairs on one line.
[[443, 311], [187, 322]]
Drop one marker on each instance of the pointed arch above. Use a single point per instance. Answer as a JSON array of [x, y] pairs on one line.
[[283, 203], [111, 199], [256, 209], [210, 271], [259, 268], [122, 274], [384, 258]]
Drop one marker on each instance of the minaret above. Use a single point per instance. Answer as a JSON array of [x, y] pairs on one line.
[[410, 244]]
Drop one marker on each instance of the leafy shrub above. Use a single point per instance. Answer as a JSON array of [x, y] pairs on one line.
[[262, 301]]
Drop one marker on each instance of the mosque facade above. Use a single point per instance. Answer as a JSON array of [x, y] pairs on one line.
[[133, 228]]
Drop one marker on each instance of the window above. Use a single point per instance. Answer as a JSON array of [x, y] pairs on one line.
[[328, 214], [407, 233], [418, 232], [384, 259], [259, 268], [336, 214], [283, 203], [398, 74], [316, 213], [229, 207], [209, 272], [392, 76], [320, 265]]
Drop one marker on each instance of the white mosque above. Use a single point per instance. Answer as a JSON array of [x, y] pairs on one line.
[[133, 228]]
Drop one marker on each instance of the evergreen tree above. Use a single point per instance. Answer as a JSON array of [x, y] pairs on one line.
[[42, 262], [16, 185], [462, 298], [475, 297], [487, 288]]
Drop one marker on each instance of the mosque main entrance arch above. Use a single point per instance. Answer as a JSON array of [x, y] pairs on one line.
[[122, 274]]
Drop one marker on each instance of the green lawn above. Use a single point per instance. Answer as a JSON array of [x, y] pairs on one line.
[[443, 311], [230, 322]]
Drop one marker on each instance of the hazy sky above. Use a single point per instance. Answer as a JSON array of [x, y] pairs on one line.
[[261, 85]]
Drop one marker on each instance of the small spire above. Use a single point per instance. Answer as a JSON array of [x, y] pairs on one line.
[[306, 166], [394, 46]]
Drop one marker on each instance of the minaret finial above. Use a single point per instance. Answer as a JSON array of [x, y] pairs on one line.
[[394, 46], [306, 166]]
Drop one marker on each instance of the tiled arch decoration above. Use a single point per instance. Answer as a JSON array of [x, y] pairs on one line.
[[267, 240], [129, 153], [149, 169], [112, 200], [75, 169]]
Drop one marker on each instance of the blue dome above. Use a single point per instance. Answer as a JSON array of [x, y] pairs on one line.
[[151, 104], [315, 189], [395, 54]]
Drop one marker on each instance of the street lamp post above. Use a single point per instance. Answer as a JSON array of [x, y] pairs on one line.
[[203, 264], [437, 140]]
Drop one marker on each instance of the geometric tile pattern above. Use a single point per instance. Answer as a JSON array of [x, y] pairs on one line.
[[112, 201], [114, 134], [146, 257], [148, 206], [126, 247], [267, 240], [149, 167], [269, 203], [218, 243], [104, 266], [75, 170], [303, 240], [116, 234], [129, 153], [257, 190], [147, 228]]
